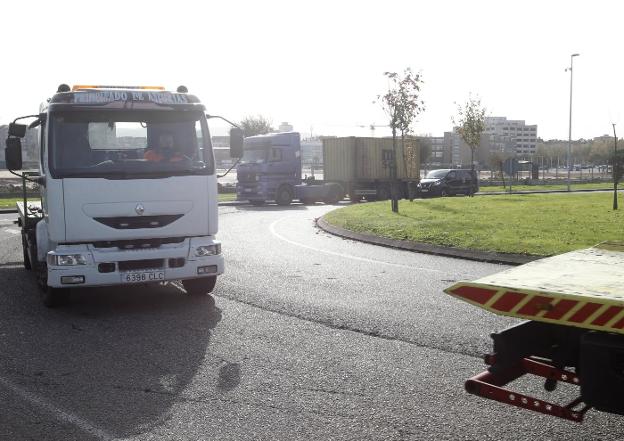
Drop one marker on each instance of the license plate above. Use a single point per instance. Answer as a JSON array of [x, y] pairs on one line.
[[143, 276]]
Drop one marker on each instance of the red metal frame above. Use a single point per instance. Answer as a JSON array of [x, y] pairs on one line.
[[489, 385]]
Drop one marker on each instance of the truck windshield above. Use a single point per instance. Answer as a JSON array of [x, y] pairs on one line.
[[129, 144], [255, 152]]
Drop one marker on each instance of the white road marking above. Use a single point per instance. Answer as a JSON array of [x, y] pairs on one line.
[[12, 231], [57, 412], [348, 256]]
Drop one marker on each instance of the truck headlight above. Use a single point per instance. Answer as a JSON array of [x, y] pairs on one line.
[[67, 259], [208, 250]]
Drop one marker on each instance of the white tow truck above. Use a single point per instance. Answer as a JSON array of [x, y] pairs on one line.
[[573, 333], [128, 190]]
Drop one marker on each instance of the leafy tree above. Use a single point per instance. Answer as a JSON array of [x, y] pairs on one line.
[[497, 162], [256, 125], [402, 104], [470, 123]]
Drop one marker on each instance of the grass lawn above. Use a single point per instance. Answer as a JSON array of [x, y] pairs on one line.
[[226, 197], [10, 202], [588, 186], [540, 224]]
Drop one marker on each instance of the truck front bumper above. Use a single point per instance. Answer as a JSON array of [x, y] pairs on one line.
[[116, 266]]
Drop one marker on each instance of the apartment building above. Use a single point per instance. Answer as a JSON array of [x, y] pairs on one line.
[[504, 130]]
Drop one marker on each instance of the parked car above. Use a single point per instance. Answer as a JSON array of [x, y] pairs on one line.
[[448, 182]]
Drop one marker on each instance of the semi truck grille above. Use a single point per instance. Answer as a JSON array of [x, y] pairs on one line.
[[130, 265], [134, 222], [137, 243]]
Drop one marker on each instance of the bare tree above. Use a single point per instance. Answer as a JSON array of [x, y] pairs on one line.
[[402, 104], [256, 125], [470, 123]]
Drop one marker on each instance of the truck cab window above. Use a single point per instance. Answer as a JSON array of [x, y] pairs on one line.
[[276, 155]]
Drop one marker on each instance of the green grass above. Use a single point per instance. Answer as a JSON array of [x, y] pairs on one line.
[[540, 187], [540, 224], [10, 202], [227, 197]]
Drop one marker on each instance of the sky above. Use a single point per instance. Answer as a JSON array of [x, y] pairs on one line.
[[319, 64]]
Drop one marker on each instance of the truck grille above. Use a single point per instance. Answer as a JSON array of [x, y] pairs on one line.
[[130, 265], [137, 243], [134, 222]]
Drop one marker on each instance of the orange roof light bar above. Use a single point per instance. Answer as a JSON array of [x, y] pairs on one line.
[[83, 86]]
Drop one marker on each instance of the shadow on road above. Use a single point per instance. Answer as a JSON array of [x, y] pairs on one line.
[[117, 357]]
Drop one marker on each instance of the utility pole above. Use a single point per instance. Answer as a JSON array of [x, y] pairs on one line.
[[616, 174], [570, 122]]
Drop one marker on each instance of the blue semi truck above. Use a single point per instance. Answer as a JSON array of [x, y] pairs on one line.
[[270, 170]]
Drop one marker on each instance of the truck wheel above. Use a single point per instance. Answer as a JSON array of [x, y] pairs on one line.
[[443, 193], [334, 195], [201, 286], [27, 263], [53, 297], [383, 193], [284, 195], [256, 203]]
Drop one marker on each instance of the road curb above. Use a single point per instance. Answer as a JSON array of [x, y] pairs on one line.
[[421, 247]]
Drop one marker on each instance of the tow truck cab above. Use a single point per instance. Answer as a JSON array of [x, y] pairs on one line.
[[128, 190]]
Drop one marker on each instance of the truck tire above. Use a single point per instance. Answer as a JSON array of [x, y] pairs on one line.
[[200, 286], [54, 297], [51, 297], [27, 263], [334, 195], [284, 195], [383, 194]]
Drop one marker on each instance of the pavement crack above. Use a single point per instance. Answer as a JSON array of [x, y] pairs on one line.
[[375, 333]]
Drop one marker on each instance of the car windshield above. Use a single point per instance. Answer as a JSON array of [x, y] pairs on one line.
[[129, 144], [436, 174]]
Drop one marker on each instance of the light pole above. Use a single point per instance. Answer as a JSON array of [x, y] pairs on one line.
[[570, 122]]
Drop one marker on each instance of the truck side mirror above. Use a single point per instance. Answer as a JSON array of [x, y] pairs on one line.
[[17, 130], [13, 153], [237, 138]]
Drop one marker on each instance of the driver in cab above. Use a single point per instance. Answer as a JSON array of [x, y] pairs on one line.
[[165, 151]]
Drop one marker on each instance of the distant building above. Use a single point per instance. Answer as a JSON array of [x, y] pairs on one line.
[[515, 131], [285, 127]]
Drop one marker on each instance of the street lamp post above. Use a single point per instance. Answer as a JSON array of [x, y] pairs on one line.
[[570, 122]]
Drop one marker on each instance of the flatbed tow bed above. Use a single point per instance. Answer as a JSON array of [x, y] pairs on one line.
[[575, 306]]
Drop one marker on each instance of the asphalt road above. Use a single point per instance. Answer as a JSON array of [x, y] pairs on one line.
[[308, 337]]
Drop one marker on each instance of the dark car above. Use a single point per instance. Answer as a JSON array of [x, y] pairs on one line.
[[448, 182]]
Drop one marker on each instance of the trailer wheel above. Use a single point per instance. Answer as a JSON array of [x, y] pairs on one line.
[[284, 195], [27, 263], [383, 193], [334, 195], [201, 286]]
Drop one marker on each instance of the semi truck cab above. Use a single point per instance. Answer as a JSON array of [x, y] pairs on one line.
[[270, 168], [128, 190]]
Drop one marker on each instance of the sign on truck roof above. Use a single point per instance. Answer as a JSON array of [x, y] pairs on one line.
[[582, 288]]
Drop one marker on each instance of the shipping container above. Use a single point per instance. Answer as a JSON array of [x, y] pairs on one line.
[[363, 159]]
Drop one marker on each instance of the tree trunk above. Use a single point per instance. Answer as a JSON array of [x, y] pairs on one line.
[[394, 202]]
